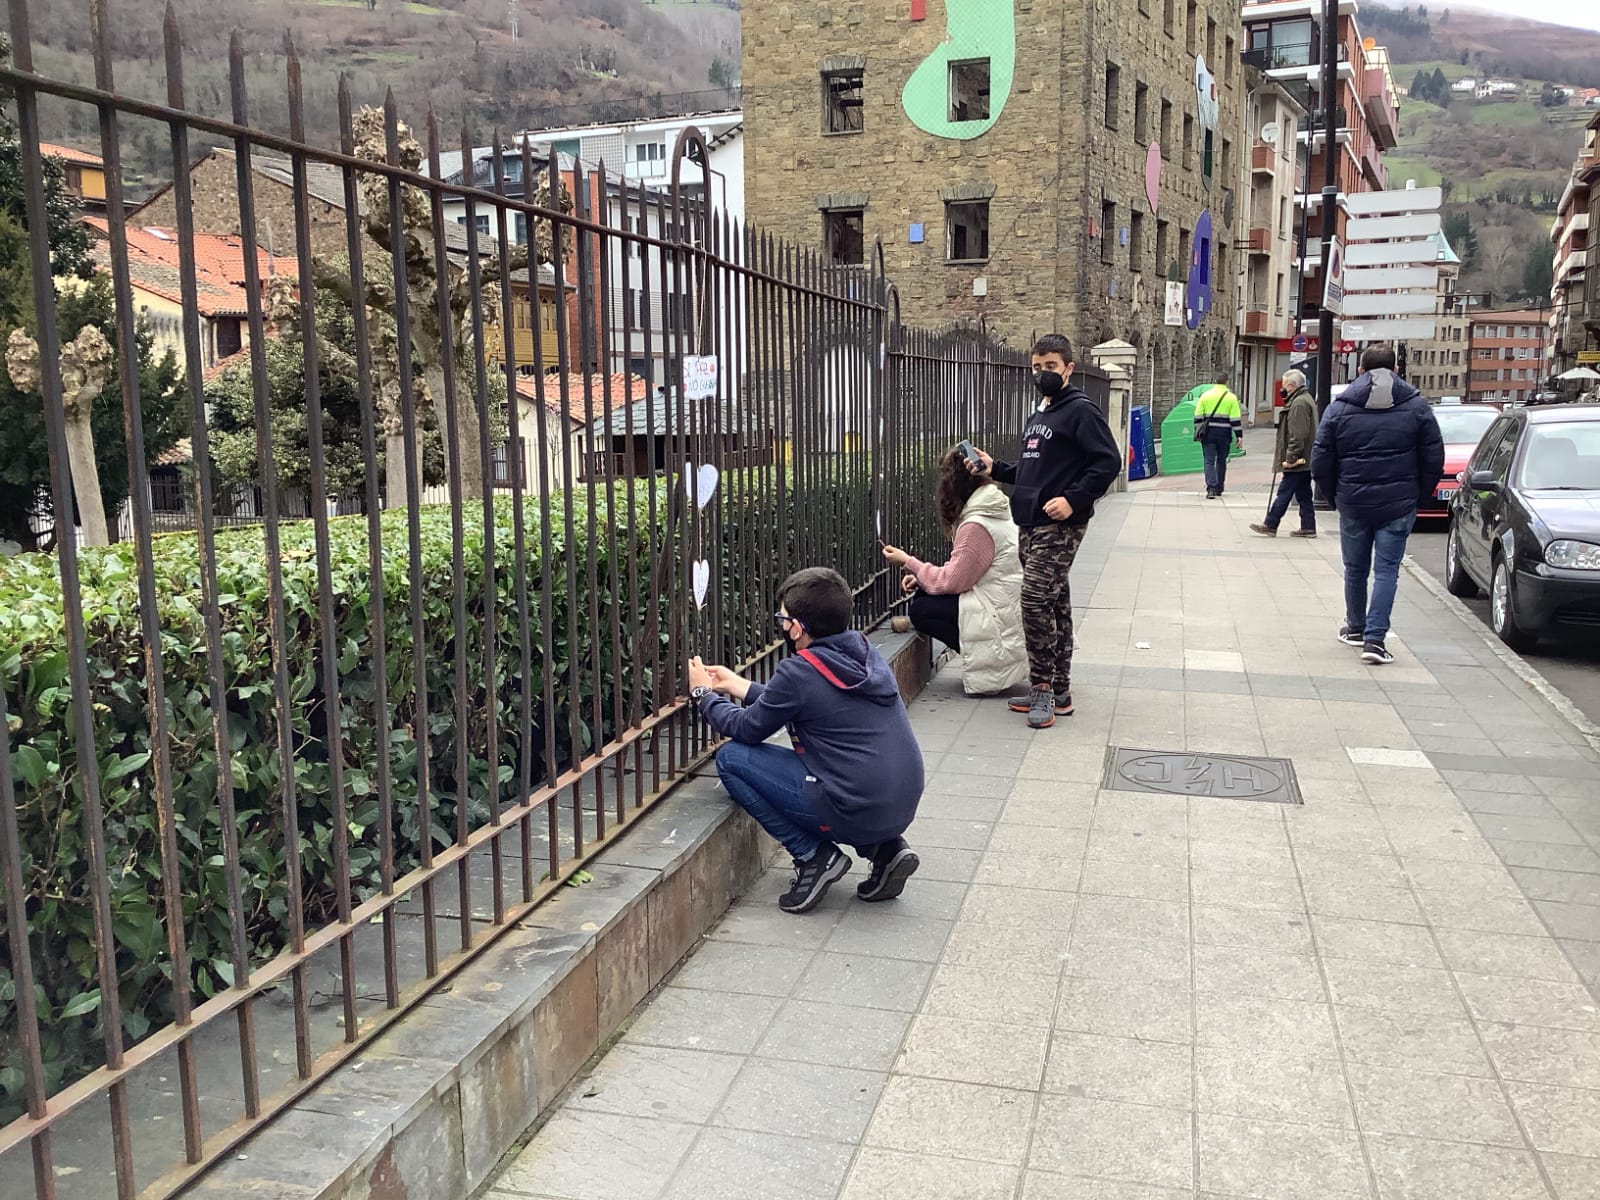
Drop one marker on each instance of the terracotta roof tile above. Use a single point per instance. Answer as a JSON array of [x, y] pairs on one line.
[[154, 266], [68, 154], [607, 393]]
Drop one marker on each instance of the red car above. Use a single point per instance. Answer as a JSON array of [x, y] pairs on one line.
[[1462, 425]]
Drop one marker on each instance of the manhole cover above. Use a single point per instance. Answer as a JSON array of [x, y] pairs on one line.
[[1179, 773]]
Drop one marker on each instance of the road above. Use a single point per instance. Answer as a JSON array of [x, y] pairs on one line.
[[1573, 667]]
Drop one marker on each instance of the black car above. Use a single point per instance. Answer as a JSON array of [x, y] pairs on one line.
[[1525, 523]]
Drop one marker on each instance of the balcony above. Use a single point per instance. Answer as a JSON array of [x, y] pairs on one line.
[[1264, 159], [1260, 240], [1257, 320]]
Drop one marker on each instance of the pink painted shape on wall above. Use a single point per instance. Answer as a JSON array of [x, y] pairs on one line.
[[919, 10], [1152, 177]]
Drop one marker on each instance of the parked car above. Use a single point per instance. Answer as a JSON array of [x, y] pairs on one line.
[[1525, 523], [1462, 425]]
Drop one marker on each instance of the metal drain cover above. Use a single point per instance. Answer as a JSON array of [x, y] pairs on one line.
[[1181, 773]]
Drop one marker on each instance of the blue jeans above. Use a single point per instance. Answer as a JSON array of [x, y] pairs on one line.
[[1295, 486], [769, 783], [1378, 549], [1215, 444]]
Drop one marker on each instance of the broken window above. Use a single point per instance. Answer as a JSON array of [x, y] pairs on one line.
[[969, 90], [843, 234], [842, 101], [968, 224]]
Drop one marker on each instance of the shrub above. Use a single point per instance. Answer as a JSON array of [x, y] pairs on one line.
[[48, 776]]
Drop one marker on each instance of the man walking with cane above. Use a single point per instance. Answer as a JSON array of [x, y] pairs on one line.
[[1297, 430]]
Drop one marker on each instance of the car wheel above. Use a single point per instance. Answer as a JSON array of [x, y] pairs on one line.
[[1503, 608], [1456, 579]]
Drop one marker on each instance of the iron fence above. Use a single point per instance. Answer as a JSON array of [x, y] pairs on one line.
[[264, 788]]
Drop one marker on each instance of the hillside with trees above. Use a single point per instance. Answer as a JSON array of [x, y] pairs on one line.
[[572, 61], [1502, 160]]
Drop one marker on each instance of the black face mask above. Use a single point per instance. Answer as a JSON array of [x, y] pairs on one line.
[[1049, 383]]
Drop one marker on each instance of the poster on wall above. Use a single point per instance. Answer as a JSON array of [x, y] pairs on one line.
[[1174, 304], [1197, 298]]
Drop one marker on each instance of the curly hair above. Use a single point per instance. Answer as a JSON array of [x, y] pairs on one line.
[[956, 486]]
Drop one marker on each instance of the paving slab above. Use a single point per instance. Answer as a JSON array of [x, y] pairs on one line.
[[1386, 991]]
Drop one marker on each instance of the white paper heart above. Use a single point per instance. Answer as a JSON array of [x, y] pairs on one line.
[[880, 525], [702, 582], [701, 484]]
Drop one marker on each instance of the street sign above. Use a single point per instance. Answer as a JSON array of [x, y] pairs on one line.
[[1410, 225], [1391, 254], [1389, 304], [1399, 200], [1388, 279], [1393, 329], [1304, 344], [1333, 279]]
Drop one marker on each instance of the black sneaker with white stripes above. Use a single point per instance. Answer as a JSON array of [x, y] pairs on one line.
[[1350, 637], [1374, 655], [813, 878], [893, 863]]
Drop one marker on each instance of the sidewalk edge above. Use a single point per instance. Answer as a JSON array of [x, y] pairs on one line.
[[1519, 666]]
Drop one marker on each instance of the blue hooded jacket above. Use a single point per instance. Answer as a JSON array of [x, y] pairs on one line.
[[1378, 450], [842, 706]]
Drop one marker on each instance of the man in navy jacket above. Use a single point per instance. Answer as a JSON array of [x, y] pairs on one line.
[[855, 773], [1377, 453]]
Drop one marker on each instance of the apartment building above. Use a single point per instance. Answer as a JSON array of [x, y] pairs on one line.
[[1439, 365], [1048, 164], [1507, 355], [1271, 178], [1284, 38], [1572, 282]]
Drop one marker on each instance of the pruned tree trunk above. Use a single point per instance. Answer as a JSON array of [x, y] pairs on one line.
[[85, 364]]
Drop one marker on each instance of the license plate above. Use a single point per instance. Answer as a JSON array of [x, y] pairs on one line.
[[1444, 493]]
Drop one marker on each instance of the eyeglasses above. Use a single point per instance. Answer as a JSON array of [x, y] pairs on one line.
[[784, 620]]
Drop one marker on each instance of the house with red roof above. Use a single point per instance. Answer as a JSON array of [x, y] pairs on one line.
[[222, 301], [85, 175]]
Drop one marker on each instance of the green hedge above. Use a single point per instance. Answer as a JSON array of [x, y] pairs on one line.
[[33, 672]]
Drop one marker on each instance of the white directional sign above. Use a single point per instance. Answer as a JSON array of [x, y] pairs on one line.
[[1394, 329], [1390, 254], [1389, 279], [1391, 286], [1388, 304], [1367, 204], [1374, 229]]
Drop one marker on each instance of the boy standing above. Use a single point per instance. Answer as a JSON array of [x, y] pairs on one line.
[[855, 773], [1069, 460]]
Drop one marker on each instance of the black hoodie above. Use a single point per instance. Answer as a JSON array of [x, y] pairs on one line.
[[842, 706], [1067, 450]]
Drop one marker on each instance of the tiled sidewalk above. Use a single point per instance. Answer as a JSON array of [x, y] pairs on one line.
[[1106, 995]]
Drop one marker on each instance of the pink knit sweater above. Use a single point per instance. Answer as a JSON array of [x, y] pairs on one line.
[[970, 557]]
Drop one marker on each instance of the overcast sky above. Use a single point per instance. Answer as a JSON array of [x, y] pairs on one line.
[[1561, 12]]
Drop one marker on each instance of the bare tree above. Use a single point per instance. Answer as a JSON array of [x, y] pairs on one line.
[[85, 365]]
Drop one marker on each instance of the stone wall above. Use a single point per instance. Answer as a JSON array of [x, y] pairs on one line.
[[1050, 159]]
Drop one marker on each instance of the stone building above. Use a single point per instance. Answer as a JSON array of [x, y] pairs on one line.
[[1043, 164]]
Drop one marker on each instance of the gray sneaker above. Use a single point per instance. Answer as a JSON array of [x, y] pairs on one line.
[[1041, 708]]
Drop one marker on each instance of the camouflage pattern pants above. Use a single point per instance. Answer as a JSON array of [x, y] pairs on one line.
[[1047, 552]]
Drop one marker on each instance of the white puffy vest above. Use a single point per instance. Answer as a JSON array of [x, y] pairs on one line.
[[994, 653]]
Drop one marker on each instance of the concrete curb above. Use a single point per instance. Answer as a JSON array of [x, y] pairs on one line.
[[429, 1109], [1519, 666]]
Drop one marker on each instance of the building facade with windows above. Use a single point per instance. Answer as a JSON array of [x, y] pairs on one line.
[[1507, 356], [1284, 38], [1038, 163], [1270, 175], [1572, 281]]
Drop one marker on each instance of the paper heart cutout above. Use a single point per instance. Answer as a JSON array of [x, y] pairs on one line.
[[701, 485], [702, 582], [880, 524]]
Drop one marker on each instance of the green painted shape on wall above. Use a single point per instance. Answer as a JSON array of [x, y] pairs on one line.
[[973, 29]]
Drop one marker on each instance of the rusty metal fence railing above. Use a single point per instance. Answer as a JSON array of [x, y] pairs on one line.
[[269, 778]]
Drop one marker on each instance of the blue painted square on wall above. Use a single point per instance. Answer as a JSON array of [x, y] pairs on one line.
[[916, 236]]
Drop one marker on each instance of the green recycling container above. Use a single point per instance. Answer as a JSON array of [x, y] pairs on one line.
[[1180, 453]]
